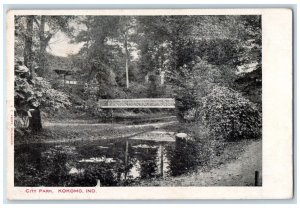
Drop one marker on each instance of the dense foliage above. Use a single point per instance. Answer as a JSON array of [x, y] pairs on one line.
[[39, 90], [36, 91], [228, 115], [184, 57], [194, 81]]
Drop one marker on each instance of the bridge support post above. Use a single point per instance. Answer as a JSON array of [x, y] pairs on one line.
[[112, 116]]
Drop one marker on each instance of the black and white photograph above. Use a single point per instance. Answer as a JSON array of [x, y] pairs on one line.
[[138, 100], [158, 100]]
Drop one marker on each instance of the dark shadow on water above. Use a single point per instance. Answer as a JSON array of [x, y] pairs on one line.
[[184, 157], [83, 164], [79, 165]]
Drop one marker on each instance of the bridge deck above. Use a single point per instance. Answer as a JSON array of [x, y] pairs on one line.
[[137, 103]]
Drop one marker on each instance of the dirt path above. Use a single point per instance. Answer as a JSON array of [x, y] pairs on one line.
[[115, 126], [58, 132], [240, 172]]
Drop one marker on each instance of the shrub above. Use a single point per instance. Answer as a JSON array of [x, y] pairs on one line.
[[194, 81], [38, 90], [227, 114], [34, 90], [137, 90], [47, 96]]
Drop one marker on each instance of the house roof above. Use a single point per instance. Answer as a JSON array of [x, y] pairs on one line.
[[62, 71], [61, 65]]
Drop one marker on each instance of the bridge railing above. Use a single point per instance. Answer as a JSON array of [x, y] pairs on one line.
[[137, 103]]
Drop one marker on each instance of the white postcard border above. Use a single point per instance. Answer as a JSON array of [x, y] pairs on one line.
[[277, 115]]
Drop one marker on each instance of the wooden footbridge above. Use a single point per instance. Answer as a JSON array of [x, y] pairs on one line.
[[137, 103]]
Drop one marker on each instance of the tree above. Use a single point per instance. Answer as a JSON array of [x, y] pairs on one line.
[[252, 39], [125, 25], [166, 43], [33, 34], [28, 53], [53, 25], [191, 83], [108, 46], [31, 91], [36, 92], [250, 83], [205, 51]]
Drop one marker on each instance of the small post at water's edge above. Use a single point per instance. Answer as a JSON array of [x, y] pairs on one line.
[[256, 178], [162, 160]]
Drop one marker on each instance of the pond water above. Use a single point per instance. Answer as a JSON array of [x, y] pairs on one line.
[[112, 162]]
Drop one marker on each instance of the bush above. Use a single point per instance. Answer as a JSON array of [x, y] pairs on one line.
[[32, 91], [137, 90], [194, 81], [38, 90], [227, 114], [48, 97]]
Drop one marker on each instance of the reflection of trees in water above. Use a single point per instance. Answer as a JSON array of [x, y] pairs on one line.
[[109, 173], [36, 167], [148, 169], [106, 173], [147, 159], [184, 157], [50, 165], [59, 172], [27, 165]]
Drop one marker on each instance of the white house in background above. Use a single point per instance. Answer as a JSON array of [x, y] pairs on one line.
[[68, 76]]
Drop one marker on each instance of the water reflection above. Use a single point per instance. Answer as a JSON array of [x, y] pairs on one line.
[[184, 157], [82, 165]]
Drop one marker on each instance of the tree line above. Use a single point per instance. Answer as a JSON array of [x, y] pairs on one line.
[[193, 54]]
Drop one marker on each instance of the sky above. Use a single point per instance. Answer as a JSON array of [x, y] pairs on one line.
[[59, 45]]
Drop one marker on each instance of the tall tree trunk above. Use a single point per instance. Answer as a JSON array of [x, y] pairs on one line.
[[42, 48], [28, 56], [44, 40], [126, 57], [35, 122]]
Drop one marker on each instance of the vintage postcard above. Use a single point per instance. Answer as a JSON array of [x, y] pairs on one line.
[[149, 104]]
